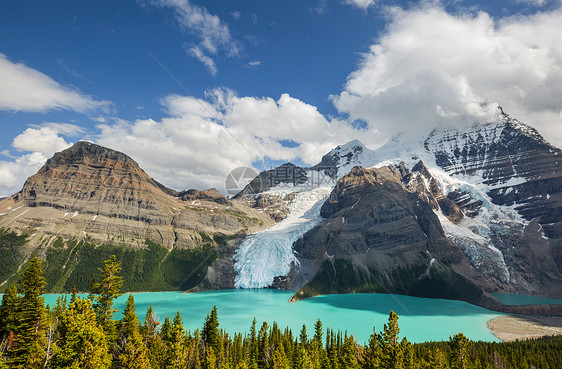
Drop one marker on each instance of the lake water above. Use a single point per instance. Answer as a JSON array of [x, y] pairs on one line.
[[509, 299], [419, 319]]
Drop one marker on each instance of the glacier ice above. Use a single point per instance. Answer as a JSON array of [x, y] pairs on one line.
[[268, 254]]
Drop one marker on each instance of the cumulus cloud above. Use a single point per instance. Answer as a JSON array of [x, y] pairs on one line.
[[44, 140], [37, 144], [213, 34], [26, 89], [462, 68], [363, 4], [201, 140], [14, 173]]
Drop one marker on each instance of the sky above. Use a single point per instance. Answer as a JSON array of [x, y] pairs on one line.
[[193, 89]]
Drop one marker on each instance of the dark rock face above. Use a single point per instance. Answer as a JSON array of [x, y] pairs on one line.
[[382, 233], [288, 174], [523, 171], [521, 168], [382, 236]]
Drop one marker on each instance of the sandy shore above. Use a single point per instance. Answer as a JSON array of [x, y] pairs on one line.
[[511, 327]]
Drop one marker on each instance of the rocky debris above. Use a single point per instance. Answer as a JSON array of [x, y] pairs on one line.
[[465, 202]]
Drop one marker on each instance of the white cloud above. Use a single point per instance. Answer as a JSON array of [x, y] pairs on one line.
[[253, 64], [44, 140], [537, 3], [462, 67], [65, 129], [203, 139], [236, 15], [14, 173], [26, 89], [208, 62], [363, 4], [39, 143], [213, 34]]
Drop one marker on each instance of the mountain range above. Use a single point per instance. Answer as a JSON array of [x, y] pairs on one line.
[[456, 213]]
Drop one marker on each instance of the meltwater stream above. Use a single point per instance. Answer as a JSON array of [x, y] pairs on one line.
[[268, 254]]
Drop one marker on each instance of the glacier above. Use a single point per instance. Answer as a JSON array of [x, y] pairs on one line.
[[268, 254]]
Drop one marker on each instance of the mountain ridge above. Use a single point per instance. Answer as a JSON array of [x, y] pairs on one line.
[[502, 237], [477, 210]]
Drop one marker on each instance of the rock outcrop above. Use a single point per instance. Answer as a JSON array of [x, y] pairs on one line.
[[457, 214], [89, 191]]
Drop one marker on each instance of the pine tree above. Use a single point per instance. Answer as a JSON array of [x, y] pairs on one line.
[[436, 359], [177, 351], [408, 353], [254, 353], [210, 358], [132, 350], [151, 323], [210, 333], [157, 352], [279, 359], [83, 343], [348, 357], [318, 332], [263, 346], [106, 291], [166, 331], [8, 312], [30, 334], [373, 352], [303, 336], [459, 351], [392, 355]]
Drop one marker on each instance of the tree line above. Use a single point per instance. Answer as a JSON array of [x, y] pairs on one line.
[[82, 333]]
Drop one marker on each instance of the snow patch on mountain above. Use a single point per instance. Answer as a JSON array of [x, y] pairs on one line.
[[268, 254], [477, 236]]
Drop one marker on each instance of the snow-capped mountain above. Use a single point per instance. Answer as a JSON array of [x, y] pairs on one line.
[[494, 191]]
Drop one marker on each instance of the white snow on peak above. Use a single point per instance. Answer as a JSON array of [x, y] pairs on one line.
[[268, 254]]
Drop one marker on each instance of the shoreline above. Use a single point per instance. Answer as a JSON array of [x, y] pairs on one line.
[[521, 327]]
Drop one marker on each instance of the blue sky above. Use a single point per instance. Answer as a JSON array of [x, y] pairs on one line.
[[193, 89]]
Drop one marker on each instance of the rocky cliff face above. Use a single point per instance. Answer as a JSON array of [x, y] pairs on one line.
[[381, 234], [89, 191], [477, 208]]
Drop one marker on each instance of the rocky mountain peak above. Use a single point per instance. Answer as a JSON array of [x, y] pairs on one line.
[[91, 191], [350, 152], [87, 153]]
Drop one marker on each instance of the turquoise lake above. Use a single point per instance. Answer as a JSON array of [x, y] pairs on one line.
[[509, 299], [419, 319]]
